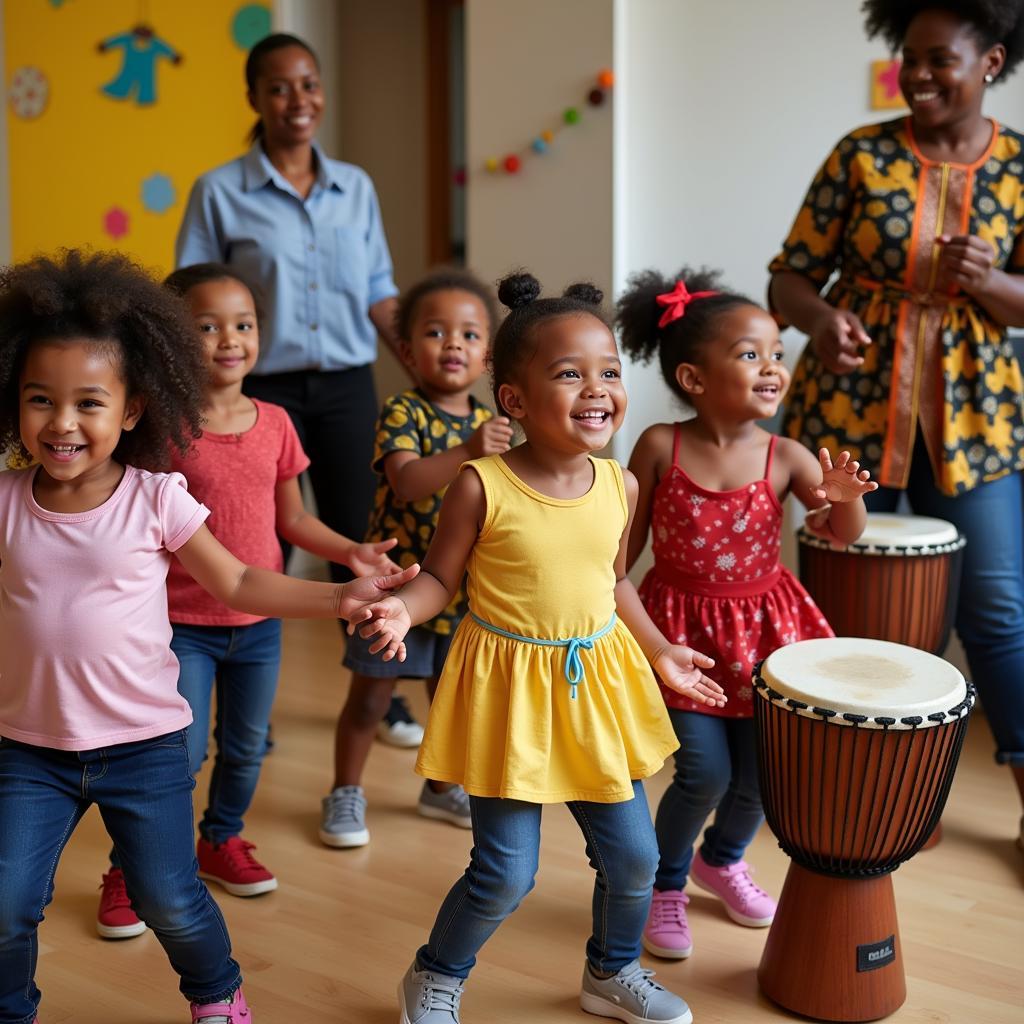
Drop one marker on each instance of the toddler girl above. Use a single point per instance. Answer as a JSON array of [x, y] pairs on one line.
[[547, 695], [99, 371], [711, 492], [245, 467]]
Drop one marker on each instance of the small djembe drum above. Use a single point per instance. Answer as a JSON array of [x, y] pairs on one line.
[[899, 582], [857, 744]]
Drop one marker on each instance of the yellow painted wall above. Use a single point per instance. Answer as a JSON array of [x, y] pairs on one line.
[[89, 152]]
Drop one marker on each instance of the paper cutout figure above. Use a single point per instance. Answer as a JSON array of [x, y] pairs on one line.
[[158, 193], [250, 24], [29, 92], [142, 49], [115, 222], [885, 85]]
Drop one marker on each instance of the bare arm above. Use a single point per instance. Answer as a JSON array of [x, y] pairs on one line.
[[297, 526], [256, 591], [643, 464], [413, 477]]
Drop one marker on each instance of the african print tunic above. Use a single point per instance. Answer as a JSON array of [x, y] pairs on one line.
[[938, 361], [410, 422]]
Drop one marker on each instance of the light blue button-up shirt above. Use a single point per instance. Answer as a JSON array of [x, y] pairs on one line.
[[320, 262]]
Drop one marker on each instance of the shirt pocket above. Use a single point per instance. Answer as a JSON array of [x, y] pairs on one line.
[[349, 262]]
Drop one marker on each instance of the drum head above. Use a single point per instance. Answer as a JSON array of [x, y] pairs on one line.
[[895, 535], [873, 679]]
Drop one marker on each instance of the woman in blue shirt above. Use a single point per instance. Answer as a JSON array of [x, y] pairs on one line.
[[306, 230]]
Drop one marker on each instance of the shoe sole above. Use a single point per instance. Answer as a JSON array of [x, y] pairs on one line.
[[735, 915], [438, 814], [120, 931], [343, 842], [666, 952], [241, 889], [600, 1007], [404, 1019], [402, 745]]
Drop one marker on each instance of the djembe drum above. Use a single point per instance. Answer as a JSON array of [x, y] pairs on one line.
[[898, 582], [857, 744]]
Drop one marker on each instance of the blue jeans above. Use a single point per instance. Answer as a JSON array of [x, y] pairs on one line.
[[241, 665], [502, 866], [716, 770], [990, 610], [144, 794]]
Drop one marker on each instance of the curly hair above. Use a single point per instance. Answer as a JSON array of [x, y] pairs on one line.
[[520, 292], [442, 280], [106, 298], [184, 279], [992, 22], [681, 341]]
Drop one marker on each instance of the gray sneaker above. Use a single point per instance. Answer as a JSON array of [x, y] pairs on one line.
[[632, 995], [343, 818], [451, 805], [428, 998]]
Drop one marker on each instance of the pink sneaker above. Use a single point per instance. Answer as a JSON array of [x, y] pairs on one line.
[[667, 932], [234, 1011], [745, 902]]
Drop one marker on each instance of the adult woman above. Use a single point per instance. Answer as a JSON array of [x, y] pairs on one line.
[[908, 363], [307, 231]]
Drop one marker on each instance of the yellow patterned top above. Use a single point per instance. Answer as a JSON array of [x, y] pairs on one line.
[[938, 362], [503, 722]]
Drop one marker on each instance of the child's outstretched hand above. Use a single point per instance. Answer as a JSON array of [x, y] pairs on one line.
[[387, 619], [842, 480], [491, 438], [357, 596], [370, 560], [680, 667]]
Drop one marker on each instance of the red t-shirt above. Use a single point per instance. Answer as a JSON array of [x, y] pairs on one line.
[[236, 475]]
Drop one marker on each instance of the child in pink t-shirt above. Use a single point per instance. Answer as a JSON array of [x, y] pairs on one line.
[[100, 370], [245, 467]]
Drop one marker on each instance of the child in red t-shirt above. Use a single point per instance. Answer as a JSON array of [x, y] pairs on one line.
[[245, 466]]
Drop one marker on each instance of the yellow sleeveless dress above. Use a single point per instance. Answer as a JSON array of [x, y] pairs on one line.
[[504, 722]]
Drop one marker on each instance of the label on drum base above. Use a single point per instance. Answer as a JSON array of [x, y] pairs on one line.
[[873, 955]]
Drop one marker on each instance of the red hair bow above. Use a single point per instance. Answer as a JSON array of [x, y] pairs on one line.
[[676, 301]]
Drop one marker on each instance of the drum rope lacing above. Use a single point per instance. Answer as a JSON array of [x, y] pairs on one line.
[[888, 550]]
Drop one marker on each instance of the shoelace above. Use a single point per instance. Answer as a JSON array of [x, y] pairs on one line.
[[670, 909], [345, 806], [115, 893], [218, 1018], [441, 994], [639, 980], [238, 853], [741, 883], [460, 798]]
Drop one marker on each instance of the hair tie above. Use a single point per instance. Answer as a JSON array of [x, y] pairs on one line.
[[676, 301]]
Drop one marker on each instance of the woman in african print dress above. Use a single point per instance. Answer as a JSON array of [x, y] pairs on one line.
[[908, 364]]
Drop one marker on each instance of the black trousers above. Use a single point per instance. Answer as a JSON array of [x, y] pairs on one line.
[[335, 415]]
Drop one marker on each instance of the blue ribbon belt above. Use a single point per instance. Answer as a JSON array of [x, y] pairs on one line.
[[574, 670]]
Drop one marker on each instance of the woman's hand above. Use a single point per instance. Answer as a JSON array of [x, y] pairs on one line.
[[679, 668], [966, 261], [388, 620], [370, 560], [843, 480], [837, 338]]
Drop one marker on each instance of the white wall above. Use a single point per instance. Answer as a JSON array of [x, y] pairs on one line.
[[727, 109], [526, 62]]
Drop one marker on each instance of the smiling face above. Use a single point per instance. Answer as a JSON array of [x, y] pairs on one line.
[[288, 97], [225, 316], [569, 395], [449, 333], [740, 373], [74, 406], [942, 76]]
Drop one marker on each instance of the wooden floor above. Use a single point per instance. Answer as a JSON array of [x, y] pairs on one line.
[[330, 945]]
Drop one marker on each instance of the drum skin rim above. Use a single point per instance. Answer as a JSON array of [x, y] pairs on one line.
[[832, 717], [804, 536]]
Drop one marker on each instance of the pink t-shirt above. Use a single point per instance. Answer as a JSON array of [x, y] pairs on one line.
[[85, 656], [235, 475]]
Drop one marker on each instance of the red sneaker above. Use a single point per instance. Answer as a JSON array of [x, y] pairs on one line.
[[231, 864], [234, 1011], [115, 918]]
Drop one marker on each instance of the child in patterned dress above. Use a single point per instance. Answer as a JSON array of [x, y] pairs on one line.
[[711, 492]]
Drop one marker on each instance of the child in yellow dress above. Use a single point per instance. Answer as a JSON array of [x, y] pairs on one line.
[[547, 695]]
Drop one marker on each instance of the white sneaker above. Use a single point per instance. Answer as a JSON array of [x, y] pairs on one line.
[[398, 728]]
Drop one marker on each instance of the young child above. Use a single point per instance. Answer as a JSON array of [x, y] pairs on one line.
[[547, 695], [245, 467], [423, 437], [100, 370], [710, 492]]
